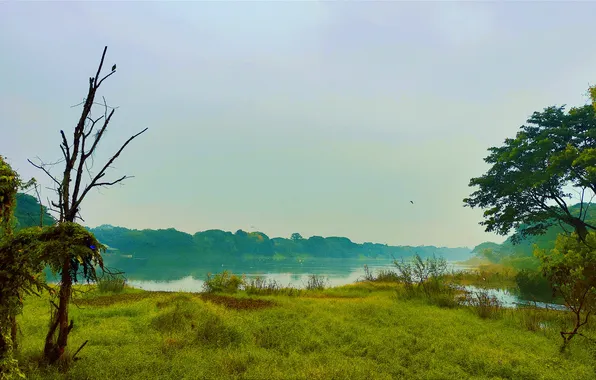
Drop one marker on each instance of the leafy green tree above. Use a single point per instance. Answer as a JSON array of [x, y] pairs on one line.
[[296, 236], [526, 187], [20, 274], [19, 267], [76, 247], [571, 269]]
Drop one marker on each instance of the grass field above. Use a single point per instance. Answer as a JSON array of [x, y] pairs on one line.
[[360, 331]]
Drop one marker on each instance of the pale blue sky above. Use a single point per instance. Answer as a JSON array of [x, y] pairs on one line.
[[322, 118]]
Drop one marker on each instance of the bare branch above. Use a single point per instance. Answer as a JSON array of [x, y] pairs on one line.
[[79, 175], [74, 357], [78, 216], [93, 122], [65, 146], [64, 153], [105, 105], [106, 77], [50, 163], [45, 171], [99, 135], [113, 182], [94, 183], [40, 206], [89, 168], [103, 56], [95, 104]]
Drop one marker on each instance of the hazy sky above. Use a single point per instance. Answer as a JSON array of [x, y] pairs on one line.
[[324, 118]]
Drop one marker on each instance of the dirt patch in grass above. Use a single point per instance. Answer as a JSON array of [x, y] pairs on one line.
[[237, 303], [334, 296]]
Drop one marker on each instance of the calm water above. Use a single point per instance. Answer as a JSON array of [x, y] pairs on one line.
[[511, 300], [337, 272]]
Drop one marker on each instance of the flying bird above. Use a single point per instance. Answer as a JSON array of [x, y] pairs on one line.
[[114, 67], [411, 202]]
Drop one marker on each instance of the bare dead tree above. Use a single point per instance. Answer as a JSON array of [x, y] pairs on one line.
[[71, 192]]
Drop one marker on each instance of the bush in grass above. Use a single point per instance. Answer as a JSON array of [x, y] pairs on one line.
[[212, 331], [111, 283], [383, 275], [224, 282], [263, 286], [316, 282], [426, 279], [571, 269], [386, 275], [178, 317], [483, 303], [368, 274], [197, 323]]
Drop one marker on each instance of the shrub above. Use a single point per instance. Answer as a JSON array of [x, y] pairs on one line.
[[444, 296], [261, 285], [316, 282], [368, 274], [111, 283], [571, 268], [176, 318], [197, 323], [426, 279], [212, 331], [418, 275], [483, 303], [224, 282], [383, 275], [386, 275], [405, 273]]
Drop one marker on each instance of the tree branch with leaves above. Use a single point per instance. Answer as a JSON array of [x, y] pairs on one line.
[[525, 188], [571, 269]]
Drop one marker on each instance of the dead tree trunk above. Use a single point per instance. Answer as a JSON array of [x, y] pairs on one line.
[[85, 140], [54, 348]]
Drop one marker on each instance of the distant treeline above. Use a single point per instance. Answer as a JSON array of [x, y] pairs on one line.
[[170, 245], [254, 245]]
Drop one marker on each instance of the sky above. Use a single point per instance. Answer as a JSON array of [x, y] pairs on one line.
[[323, 118]]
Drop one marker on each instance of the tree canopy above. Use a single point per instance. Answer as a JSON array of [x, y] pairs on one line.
[[528, 185]]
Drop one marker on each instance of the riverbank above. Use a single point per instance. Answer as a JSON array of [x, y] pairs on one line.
[[359, 331]]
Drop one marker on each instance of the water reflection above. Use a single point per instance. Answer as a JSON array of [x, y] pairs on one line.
[[337, 272], [508, 299]]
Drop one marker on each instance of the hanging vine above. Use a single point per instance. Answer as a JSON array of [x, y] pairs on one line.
[[19, 268], [9, 185]]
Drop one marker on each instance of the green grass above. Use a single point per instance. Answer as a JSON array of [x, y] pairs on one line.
[[360, 331]]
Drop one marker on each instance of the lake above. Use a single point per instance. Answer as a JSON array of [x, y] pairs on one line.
[[293, 273]]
